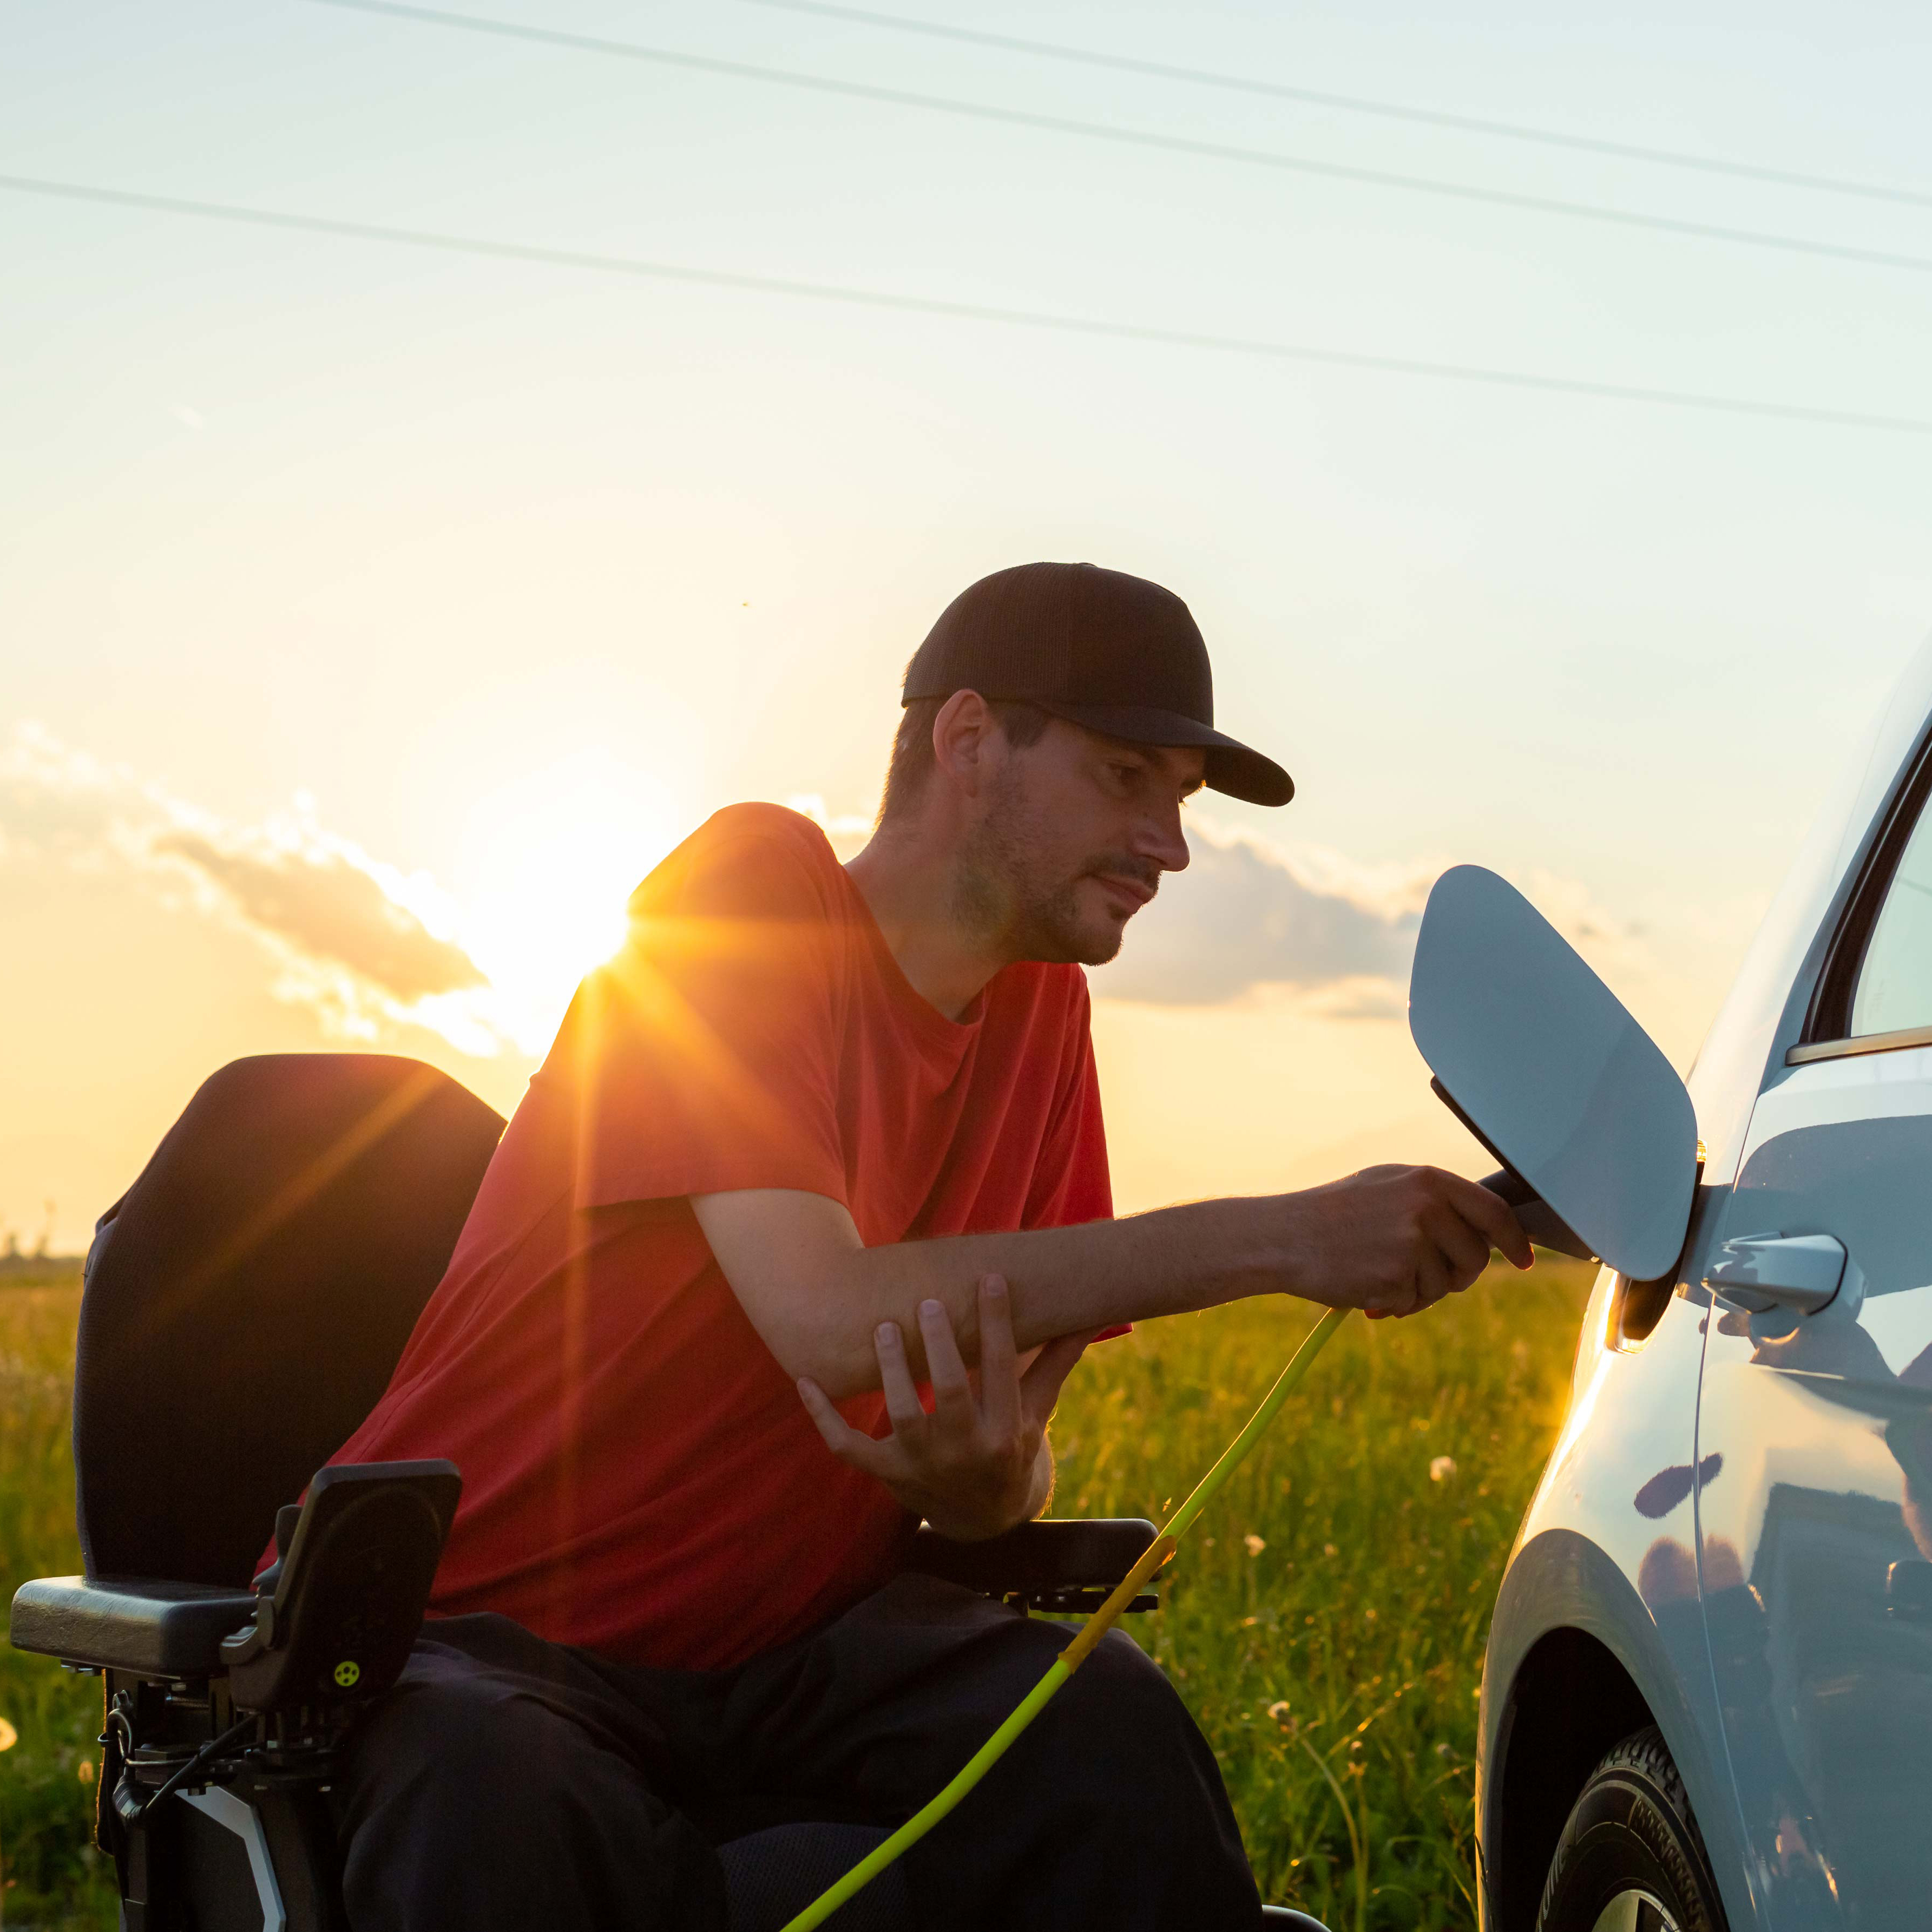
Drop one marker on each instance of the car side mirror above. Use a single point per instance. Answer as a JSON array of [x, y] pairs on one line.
[[1541, 1061]]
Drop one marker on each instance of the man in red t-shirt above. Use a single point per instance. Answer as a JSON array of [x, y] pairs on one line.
[[821, 1147]]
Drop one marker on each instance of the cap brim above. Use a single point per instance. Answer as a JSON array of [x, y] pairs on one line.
[[1230, 767]]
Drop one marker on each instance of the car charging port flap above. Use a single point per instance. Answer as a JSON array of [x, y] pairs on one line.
[[1541, 1222]]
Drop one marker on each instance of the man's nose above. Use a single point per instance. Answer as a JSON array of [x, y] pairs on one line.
[[1163, 840]]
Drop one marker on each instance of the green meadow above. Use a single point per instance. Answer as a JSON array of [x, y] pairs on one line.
[[1324, 1621], [50, 1875]]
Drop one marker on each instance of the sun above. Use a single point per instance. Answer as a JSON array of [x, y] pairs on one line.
[[549, 858]]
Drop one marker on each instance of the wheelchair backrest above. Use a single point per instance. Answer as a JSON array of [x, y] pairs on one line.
[[248, 1297]]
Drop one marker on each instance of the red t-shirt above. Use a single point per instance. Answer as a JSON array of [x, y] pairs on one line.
[[639, 1475]]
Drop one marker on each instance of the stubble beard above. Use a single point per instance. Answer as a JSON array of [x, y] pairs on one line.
[[997, 894]]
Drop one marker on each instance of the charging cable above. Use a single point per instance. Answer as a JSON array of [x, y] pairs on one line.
[[1077, 1652]]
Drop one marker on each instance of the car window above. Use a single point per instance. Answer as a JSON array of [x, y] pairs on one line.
[[1894, 988]]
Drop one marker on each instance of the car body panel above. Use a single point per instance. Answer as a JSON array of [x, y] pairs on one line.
[[1815, 1505], [1607, 1548], [1613, 1544]]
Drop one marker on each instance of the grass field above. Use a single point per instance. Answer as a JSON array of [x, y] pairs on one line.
[[51, 1875], [1325, 1621]]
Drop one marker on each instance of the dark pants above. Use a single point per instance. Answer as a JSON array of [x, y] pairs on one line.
[[510, 1782]]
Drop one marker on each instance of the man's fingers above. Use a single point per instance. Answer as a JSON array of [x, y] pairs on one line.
[[1431, 1282], [1462, 1247], [951, 1392], [1492, 1217], [902, 1402], [999, 1360], [848, 1443], [831, 1425], [1040, 1386]]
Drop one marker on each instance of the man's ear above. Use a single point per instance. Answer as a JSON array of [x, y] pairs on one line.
[[963, 733]]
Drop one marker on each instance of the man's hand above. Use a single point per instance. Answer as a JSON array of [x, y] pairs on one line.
[[978, 1464], [1394, 1240]]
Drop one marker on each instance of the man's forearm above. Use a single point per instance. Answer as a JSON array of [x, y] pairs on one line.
[[818, 1295], [1390, 1240], [1067, 1281]]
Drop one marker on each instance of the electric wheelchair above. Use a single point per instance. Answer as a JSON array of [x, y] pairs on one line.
[[244, 1304]]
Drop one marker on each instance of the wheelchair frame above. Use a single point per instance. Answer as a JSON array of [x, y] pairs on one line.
[[238, 1706]]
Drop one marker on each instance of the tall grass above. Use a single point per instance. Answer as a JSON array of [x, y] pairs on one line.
[[50, 1874], [1324, 1621]]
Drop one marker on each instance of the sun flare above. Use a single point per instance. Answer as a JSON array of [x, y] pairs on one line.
[[549, 859]]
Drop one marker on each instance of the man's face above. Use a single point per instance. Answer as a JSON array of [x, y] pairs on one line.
[[1076, 832]]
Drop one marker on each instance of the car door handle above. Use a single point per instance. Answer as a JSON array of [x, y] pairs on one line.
[[1757, 1273]]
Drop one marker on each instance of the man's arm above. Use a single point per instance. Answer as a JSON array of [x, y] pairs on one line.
[[1392, 1241]]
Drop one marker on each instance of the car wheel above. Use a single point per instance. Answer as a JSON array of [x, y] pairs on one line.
[[1631, 1858]]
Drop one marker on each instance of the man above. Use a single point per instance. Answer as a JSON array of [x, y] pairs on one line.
[[817, 1135]]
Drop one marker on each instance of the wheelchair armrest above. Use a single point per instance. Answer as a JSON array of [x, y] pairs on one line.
[[151, 1627], [1067, 1565]]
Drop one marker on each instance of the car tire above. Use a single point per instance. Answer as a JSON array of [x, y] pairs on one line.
[[1631, 1858]]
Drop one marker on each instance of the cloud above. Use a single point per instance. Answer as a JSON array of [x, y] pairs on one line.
[[349, 934], [319, 902], [370, 948], [1247, 914], [61, 802]]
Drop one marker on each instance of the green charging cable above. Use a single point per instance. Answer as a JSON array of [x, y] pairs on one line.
[[1076, 1654]]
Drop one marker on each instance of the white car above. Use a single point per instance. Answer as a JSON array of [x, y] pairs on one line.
[[1707, 1697]]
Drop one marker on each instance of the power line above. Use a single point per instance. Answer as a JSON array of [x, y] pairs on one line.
[[1352, 104], [881, 299], [1136, 137]]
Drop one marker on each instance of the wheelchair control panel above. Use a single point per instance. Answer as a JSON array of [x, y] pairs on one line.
[[336, 1611]]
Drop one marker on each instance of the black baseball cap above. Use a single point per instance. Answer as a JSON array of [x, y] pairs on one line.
[[1114, 653]]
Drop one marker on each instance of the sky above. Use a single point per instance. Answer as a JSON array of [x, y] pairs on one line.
[[373, 615]]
